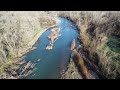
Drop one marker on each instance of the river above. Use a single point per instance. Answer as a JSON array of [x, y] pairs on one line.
[[52, 62]]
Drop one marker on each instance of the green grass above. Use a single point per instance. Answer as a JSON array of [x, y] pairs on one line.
[[112, 47], [111, 51], [116, 58], [114, 44]]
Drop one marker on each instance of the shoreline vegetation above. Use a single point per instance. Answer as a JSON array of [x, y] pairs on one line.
[[97, 55], [98, 31], [78, 68], [10, 69], [35, 38]]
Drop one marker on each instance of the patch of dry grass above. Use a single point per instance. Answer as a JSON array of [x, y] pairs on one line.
[[17, 29]]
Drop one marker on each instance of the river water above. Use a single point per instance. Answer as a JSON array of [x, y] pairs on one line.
[[52, 62]]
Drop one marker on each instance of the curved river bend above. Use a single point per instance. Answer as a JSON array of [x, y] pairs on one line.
[[52, 61]]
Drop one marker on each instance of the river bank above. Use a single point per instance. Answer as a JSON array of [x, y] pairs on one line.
[[35, 38], [80, 67], [71, 72], [18, 69], [17, 64]]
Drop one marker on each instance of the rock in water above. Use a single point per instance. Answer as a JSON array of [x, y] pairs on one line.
[[54, 35], [49, 47], [39, 60], [73, 44]]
